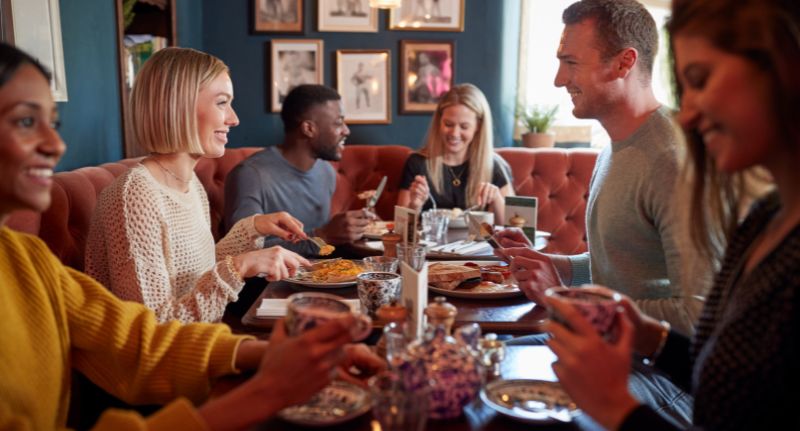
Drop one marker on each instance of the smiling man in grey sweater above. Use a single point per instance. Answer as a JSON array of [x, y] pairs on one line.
[[606, 59]]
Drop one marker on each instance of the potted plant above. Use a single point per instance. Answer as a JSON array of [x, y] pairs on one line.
[[537, 121]]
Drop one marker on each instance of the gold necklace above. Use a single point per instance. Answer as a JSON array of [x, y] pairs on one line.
[[172, 174], [456, 178]]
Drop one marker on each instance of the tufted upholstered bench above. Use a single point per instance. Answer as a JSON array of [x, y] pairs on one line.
[[559, 178]]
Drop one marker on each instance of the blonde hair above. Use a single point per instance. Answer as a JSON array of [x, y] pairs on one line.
[[164, 99], [481, 149]]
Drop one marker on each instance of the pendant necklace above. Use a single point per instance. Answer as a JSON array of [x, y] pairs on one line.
[[456, 178], [172, 174]]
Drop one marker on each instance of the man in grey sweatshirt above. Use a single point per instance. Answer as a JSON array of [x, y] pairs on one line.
[[606, 59]]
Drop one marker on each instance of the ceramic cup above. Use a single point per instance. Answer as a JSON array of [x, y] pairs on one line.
[[306, 310], [597, 304], [380, 264], [481, 217], [376, 289]]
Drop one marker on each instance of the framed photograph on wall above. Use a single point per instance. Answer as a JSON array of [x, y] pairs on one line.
[[293, 62], [347, 16], [426, 72], [35, 27], [278, 16], [362, 78], [428, 15]]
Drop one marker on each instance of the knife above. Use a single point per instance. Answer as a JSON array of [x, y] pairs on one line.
[[374, 199]]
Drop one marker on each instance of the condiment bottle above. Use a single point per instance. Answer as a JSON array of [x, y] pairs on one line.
[[391, 313], [441, 312], [390, 240]]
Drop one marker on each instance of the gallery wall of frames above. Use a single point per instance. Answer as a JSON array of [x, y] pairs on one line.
[[390, 66], [362, 76], [484, 52]]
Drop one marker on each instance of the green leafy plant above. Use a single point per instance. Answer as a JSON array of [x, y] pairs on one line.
[[127, 12], [537, 118]]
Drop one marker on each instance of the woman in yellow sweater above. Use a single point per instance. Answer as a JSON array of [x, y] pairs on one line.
[[56, 319]]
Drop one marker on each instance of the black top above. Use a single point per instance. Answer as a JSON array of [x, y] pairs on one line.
[[743, 360], [452, 196]]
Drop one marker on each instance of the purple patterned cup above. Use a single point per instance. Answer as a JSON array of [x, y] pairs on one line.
[[596, 303], [307, 310], [376, 289]]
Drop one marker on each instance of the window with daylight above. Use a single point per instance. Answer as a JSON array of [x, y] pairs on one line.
[[541, 29]]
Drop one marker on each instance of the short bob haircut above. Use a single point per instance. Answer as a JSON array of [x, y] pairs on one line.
[[164, 99]]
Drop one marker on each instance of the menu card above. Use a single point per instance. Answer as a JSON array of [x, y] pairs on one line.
[[405, 224], [521, 212], [415, 296]]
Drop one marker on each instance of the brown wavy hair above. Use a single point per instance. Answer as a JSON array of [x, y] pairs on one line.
[[767, 34]]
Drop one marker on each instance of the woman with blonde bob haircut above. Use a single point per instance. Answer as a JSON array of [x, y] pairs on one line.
[[458, 158], [167, 89], [150, 239]]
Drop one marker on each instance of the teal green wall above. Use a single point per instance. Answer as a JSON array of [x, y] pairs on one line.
[[479, 52], [91, 123], [486, 55]]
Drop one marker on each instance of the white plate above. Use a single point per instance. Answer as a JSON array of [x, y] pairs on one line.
[[530, 401], [300, 279], [336, 403], [458, 222], [376, 229], [378, 245], [508, 290], [321, 285]]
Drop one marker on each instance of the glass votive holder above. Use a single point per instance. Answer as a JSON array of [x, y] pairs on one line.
[[380, 264]]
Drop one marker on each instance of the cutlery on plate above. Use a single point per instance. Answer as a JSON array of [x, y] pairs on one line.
[[555, 411], [374, 199]]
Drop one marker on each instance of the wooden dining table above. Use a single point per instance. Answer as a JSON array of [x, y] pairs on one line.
[[372, 247], [521, 362], [515, 316]]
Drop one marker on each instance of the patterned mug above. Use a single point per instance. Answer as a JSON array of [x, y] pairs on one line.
[[376, 289], [306, 310], [596, 303]]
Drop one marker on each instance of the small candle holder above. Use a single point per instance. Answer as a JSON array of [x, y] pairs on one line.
[[492, 353]]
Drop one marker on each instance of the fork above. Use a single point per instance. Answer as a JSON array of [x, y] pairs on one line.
[[324, 248]]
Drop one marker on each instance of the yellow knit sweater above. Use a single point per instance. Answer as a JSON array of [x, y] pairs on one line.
[[53, 318]]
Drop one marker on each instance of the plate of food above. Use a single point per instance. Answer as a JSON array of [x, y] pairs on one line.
[[328, 274], [530, 401], [464, 279], [376, 229], [337, 403]]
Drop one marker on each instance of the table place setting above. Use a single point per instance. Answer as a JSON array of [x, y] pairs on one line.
[[276, 307]]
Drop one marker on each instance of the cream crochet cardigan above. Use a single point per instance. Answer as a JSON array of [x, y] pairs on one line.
[[152, 244]]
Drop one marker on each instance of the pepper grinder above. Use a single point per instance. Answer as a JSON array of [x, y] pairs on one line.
[[441, 312], [390, 240]]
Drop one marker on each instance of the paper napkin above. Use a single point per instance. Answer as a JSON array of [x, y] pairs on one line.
[[274, 307]]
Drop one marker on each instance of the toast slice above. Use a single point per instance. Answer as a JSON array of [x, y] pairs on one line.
[[449, 276]]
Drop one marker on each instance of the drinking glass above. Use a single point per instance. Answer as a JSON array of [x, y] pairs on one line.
[[380, 264], [412, 255], [434, 225], [397, 406]]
